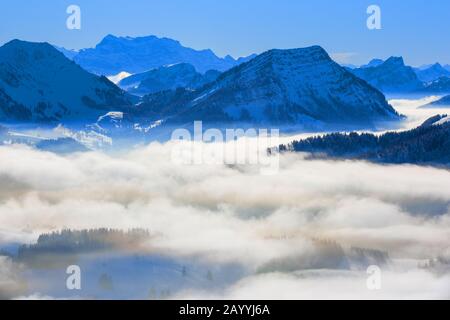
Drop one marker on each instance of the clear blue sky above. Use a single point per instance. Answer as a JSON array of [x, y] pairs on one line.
[[419, 30]]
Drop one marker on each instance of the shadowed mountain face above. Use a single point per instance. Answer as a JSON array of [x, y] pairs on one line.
[[279, 86], [136, 55], [391, 76], [38, 83], [432, 73], [167, 78], [373, 63], [427, 144], [438, 86]]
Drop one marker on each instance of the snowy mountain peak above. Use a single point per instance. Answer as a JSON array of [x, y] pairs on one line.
[[296, 86], [23, 53], [38, 83], [314, 54], [277, 61]]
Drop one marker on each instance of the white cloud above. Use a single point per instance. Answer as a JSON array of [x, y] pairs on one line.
[[327, 284], [10, 281], [234, 214]]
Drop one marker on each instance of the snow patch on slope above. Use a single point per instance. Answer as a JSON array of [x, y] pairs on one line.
[[442, 121], [119, 77]]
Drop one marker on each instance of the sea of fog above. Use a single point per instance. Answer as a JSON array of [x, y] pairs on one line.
[[229, 231]]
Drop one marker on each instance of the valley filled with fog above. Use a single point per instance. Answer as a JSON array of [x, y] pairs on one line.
[[228, 231]]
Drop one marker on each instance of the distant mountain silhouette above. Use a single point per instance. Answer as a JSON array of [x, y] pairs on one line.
[[391, 76], [432, 73], [182, 75], [136, 55]]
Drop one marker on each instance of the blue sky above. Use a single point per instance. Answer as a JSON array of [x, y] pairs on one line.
[[415, 29]]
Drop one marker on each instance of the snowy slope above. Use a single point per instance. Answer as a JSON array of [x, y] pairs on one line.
[[119, 77], [38, 83], [279, 86], [438, 86], [445, 120], [136, 55], [167, 78]]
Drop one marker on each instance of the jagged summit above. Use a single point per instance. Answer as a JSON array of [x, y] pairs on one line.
[[116, 40], [140, 54], [395, 61], [392, 76], [281, 86]]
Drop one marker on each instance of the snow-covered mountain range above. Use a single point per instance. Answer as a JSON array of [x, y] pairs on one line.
[[136, 55], [167, 78], [38, 83], [279, 86], [438, 86], [119, 56]]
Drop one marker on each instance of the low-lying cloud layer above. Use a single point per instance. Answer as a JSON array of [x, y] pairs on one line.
[[233, 214], [228, 214]]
